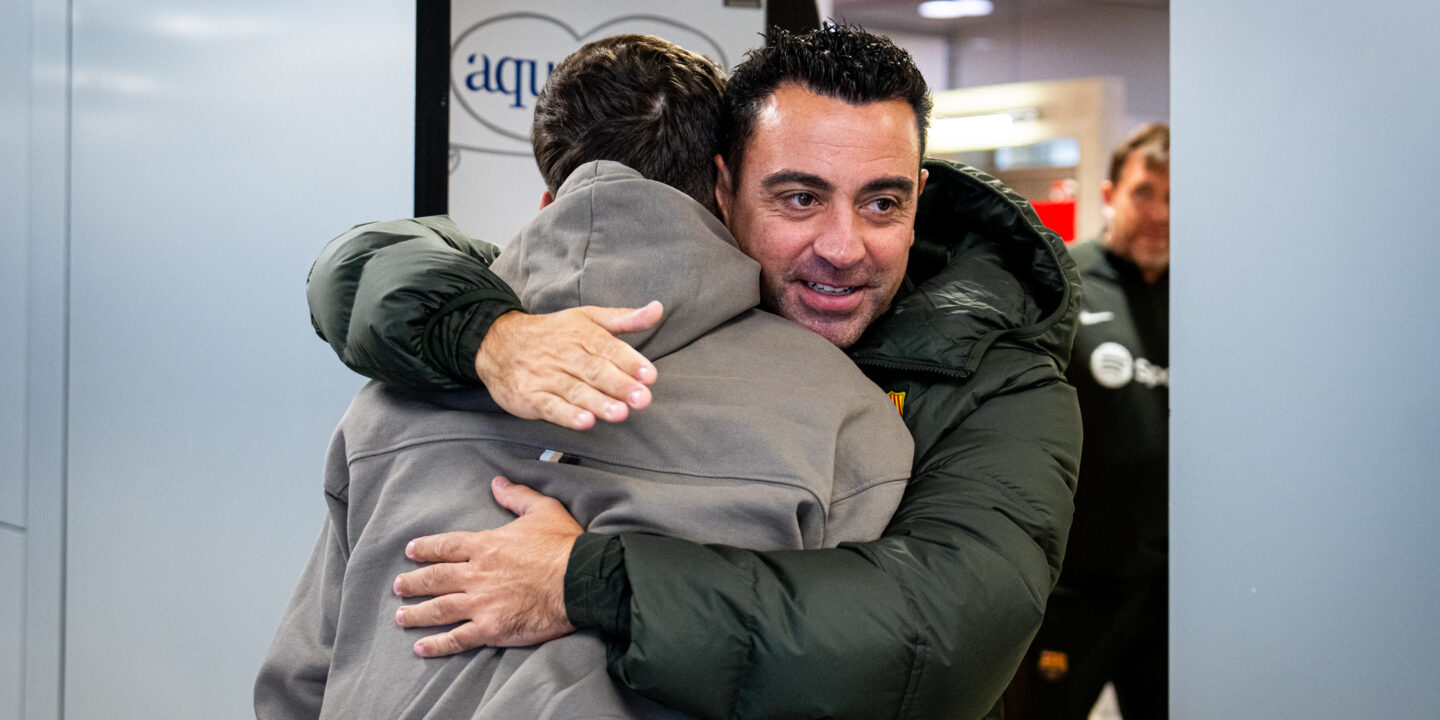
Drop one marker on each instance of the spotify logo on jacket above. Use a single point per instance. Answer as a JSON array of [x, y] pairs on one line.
[[1114, 367]]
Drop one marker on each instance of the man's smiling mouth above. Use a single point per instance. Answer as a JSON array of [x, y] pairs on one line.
[[824, 289]]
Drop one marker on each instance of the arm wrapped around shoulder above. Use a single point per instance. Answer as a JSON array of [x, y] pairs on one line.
[[407, 301]]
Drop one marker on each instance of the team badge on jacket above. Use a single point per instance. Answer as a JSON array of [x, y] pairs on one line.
[[899, 399]]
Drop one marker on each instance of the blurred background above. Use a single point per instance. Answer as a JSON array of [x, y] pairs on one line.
[[1035, 92], [169, 170]]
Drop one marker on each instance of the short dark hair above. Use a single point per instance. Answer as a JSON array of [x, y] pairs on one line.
[[637, 100], [1152, 140], [843, 62]]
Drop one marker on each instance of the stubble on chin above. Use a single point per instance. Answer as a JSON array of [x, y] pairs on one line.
[[841, 331]]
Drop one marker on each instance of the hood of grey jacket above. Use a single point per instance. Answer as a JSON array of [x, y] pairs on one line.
[[595, 245]]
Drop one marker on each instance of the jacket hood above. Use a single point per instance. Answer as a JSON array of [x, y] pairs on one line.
[[983, 270], [615, 239]]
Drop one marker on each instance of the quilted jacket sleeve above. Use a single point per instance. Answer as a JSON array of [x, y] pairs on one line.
[[929, 621], [407, 301]]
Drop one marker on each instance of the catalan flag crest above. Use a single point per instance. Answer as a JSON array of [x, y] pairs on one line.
[[899, 399]]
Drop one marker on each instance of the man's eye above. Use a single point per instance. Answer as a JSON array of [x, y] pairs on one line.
[[882, 206], [802, 200]]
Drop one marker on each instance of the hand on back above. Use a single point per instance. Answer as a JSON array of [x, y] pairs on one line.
[[567, 367]]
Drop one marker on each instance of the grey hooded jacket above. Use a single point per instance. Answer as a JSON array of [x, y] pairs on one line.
[[762, 435], [930, 620]]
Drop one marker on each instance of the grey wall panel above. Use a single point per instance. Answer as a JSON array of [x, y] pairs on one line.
[[216, 146], [47, 259], [12, 620], [14, 233], [14, 266], [1303, 479]]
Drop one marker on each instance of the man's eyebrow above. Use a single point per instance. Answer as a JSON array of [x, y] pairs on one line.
[[899, 184], [795, 177]]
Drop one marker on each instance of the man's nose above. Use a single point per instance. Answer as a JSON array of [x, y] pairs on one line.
[[841, 242]]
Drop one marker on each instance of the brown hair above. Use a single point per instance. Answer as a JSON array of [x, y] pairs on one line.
[[1152, 140], [637, 100]]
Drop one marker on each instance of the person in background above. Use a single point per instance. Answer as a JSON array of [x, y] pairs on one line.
[[1107, 619], [944, 288]]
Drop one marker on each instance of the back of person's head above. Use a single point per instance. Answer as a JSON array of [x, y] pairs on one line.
[[1153, 142], [637, 100], [839, 61]]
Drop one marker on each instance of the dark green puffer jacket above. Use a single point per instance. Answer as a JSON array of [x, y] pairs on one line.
[[929, 621]]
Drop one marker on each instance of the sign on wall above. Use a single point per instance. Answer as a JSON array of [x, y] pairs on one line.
[[501, 52]]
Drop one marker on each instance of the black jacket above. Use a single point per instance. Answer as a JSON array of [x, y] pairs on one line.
[[930, 620], [1121, 374]]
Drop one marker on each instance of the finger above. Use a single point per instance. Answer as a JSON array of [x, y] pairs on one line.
[[628, 360], [442, 610], [444, 547], [433, 580], [516, 498], [582, 404], [623, 320], [460, 639], [553, 409], [577, 393]]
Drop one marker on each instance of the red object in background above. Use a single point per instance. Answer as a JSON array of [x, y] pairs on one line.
[[1058, 216]]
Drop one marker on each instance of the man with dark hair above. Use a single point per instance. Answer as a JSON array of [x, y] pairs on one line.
[[795, 73], [404, 462], [1107, 620], [957, 301], [636, 100], [809, 61]]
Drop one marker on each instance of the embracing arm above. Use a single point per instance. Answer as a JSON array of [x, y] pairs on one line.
[[933, 618], [414, 302], [407, 301]]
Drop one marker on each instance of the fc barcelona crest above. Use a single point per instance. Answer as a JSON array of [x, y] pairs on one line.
[[899, 399]]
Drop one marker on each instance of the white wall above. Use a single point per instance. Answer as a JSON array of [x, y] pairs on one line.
[[185, 163], [1304, 478]]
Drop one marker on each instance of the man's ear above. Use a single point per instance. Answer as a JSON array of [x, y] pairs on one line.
[[924, 175], [545, 199], [1107, 189], [723, 193]]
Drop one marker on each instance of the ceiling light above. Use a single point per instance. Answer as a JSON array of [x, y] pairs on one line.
[[955, 8]]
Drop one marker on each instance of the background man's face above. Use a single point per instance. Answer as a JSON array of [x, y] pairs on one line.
[[826, 204], [1139, 205]]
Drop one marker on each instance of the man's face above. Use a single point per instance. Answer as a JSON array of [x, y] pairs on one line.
[[1139, 206], [826, 204]]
